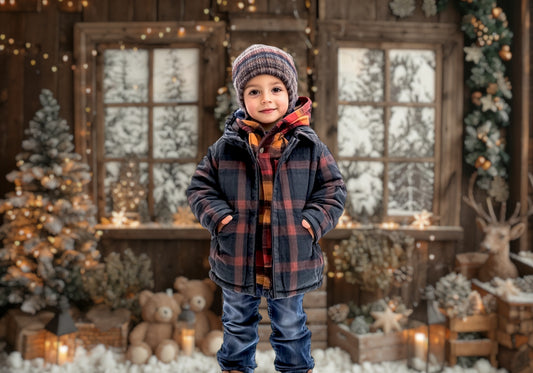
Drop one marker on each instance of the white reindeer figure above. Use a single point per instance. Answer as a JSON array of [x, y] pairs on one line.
[[498, 234]]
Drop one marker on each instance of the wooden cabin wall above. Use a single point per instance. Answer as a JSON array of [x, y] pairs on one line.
[[50, 29]]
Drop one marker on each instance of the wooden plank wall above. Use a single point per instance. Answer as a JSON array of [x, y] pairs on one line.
[[50, 29]]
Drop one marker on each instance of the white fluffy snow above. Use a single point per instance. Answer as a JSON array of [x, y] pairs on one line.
[[102, 359]]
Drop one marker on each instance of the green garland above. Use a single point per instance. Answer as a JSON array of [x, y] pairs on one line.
[[487, 48]]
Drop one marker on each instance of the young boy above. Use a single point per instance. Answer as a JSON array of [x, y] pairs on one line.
[[267, 191]]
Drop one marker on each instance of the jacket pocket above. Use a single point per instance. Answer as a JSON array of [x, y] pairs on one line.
[[226, 239]]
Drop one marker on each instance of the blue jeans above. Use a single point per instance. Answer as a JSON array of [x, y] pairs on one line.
[[290, 338]]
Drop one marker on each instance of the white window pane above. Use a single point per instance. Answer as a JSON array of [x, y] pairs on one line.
[[176, 75], [413, 75], [171, 181], [125, 76], [412, 132], [410, 188], [360, 74], [126, 131], [364, 184], [360, 131], [175, 131]]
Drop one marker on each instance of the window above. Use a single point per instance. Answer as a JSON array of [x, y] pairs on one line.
[[144, 124], [386, 128], [389, 106]]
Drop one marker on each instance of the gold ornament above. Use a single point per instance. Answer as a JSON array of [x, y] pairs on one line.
[[492, 88], [476, 98], [486, 165], [496, 12], [480, 161], [505, 53]]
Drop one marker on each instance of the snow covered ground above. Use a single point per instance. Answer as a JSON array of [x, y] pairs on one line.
[[101, 359]]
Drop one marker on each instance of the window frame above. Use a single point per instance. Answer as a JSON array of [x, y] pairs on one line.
[[92, 38], [447, 41]]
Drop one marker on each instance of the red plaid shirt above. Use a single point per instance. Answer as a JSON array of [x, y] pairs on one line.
[[268, 148]]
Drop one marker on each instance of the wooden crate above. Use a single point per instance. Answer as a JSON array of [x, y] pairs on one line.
[[101, 325], [487, 346], [315, 306], [514, 333], [90, 335], [370, 347], [468, 263], [25, 332]]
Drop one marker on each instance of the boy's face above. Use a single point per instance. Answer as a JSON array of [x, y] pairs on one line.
[[266, 99]]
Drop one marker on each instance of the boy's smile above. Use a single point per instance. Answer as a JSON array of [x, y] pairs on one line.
[[266, 100]]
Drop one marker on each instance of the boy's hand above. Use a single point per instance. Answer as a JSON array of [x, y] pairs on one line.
[[307, 226], [224, 221]]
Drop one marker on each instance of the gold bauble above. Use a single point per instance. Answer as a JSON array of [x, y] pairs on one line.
[[480, 161], [496, 12]]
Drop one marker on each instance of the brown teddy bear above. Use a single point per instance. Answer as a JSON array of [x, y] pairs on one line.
[[199, 296], [153, 336]]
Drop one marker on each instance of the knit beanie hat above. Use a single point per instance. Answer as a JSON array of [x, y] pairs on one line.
[[260, 59]]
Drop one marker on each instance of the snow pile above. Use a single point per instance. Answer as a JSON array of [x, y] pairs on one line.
[[105, 360]]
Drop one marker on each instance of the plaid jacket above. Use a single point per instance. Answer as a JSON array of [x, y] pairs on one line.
[[307, 184]]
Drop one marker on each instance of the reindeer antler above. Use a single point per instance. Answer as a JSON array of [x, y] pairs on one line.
[[471, 201], [490, 216], [516, 217]]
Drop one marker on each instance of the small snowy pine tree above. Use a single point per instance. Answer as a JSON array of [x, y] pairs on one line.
[[49, 236]]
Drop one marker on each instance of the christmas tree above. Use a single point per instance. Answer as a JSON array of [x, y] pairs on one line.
[[49, 236]]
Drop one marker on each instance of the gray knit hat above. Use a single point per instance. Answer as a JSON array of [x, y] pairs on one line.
[[260, 59]]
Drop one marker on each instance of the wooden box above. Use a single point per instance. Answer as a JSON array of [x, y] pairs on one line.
[[101, 325], [90, 335], [25, 332], [468, 264], [370, 347], [487, 346], [514, 333]]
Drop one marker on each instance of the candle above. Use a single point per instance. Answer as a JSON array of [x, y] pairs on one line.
[[63, 354], [420, 349], [187, 342]]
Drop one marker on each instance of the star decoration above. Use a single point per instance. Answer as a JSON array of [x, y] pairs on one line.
[[402, 8], [487, 103], [387, 320], [505, 288], [119, 217], [422, 220], [473, 54]]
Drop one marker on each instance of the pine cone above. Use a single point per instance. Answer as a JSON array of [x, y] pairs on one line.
[[338, 312]]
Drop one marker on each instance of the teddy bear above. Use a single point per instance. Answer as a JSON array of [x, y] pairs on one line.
[[199, 295], [154, 335]]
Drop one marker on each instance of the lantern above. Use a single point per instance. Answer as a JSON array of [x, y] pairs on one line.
[[186, 321], [60, 336], [427, 335]]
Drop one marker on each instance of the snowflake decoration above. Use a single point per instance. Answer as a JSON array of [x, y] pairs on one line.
[[499, 190], [487, 103], [429, 7], [119, 217], [505, 288], [473, 54], [503, 84], [422, 220], [402, 8]]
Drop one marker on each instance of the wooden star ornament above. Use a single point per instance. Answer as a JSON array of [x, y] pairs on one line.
[[387, 320], [505, 288]]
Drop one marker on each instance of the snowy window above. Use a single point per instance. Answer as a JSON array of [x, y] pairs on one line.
[[150, 124], [386, 128]]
